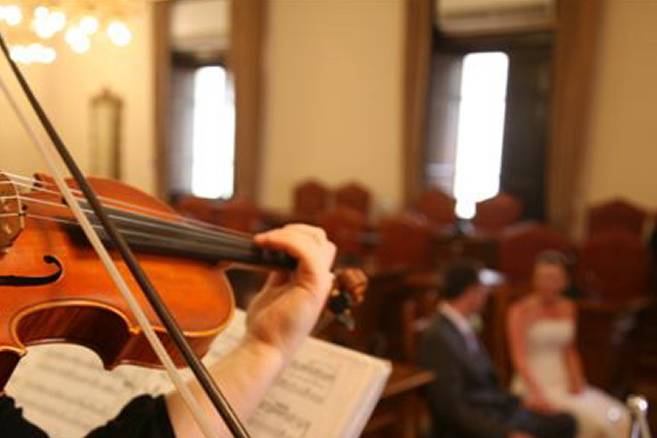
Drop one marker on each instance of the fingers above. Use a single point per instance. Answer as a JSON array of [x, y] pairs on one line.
[[307, 244], [317, 233]]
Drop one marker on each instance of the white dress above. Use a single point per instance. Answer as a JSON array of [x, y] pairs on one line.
[[598, 415]]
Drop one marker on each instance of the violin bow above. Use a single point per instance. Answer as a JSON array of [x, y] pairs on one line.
[[201, 373]]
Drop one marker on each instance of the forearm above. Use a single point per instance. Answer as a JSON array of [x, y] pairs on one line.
[[243, 376]]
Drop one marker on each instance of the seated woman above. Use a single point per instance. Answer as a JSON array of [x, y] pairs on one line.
[[549, 376]]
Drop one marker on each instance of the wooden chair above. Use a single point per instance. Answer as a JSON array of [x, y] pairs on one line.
[[615, 266], [520, 244], [417, 313], [239, 215], [346, 228], [617, 214], [355, 197], [405, 241], [437, 206], [496, 213], [310, 198], [198, 208]]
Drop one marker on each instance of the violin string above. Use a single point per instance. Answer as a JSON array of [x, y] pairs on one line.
[[175, 216], [205, 251], [151, 222], [27, 182], [149, 238], [189, 222], [217, 233], [230, 240]]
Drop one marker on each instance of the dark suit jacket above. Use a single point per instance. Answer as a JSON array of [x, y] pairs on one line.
[[466, 399]]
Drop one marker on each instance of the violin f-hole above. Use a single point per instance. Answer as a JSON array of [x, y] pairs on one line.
[[23, 281]]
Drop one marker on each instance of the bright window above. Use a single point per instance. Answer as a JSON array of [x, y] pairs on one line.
[[480, 130], [213, 144]]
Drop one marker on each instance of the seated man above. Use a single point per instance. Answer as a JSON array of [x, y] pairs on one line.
[[466, 399]]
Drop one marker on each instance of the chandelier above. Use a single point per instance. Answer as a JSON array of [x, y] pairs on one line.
[[33, 27]]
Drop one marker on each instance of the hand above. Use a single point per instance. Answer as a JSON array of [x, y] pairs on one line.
[[536, 401], [286, 309]]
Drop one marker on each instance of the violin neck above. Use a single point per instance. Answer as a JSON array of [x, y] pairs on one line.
[[155, 236]]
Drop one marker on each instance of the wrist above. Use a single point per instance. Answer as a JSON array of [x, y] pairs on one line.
[[262, 351]]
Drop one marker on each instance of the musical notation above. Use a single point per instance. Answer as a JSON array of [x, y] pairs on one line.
[[65, 390]]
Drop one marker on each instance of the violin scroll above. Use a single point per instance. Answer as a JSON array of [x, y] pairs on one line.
[[11, 212], [348, 291]]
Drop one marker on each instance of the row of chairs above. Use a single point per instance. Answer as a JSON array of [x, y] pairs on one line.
[[613, 263], [612, 266], [312, 198]]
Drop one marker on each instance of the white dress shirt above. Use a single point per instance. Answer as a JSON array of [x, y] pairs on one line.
[[462, 325]]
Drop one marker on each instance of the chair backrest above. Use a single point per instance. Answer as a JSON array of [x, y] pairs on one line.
[[496, 213], [198, 208], [405, 241], [355, 197], [417, 313], [239, 215], [617, 214], [311, 198], [615, 265], [437, 206], [521, 243], [346, 228]]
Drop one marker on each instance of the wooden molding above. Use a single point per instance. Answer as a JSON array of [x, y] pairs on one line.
[[245, 60], [162, 74], [417, 65]]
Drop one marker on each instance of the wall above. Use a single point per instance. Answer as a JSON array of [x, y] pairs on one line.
[[17, 155], [333, 99], [65, 89], [622, 151]]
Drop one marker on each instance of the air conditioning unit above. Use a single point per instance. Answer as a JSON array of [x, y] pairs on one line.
[[493, 17]]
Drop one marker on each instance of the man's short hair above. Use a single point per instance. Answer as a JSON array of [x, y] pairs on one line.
[[553, 257], [459, 276]]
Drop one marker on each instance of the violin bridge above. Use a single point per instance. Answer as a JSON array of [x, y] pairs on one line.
[[12, 219]]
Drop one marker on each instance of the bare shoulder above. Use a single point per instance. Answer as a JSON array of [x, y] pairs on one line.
[[523, 307]]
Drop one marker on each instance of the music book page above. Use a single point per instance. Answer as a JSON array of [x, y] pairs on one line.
[[326, 391]]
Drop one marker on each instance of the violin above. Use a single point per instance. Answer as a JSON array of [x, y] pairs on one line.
[[53, 287], [53, 290]]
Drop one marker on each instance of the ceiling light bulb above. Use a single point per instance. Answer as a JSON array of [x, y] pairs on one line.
[[48, 55], [41, 12], [13, 15], [81, 45], [89, 24], [42, 29], [118, 33], [17, 53], [73, 35], [57, 21]]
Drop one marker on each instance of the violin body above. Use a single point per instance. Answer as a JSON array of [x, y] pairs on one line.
[[53, 287]]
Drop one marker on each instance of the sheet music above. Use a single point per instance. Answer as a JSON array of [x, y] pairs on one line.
[[326, 391]]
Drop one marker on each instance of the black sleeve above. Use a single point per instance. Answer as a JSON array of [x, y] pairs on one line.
[[13, 424], [447, 397], [143, 417]]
